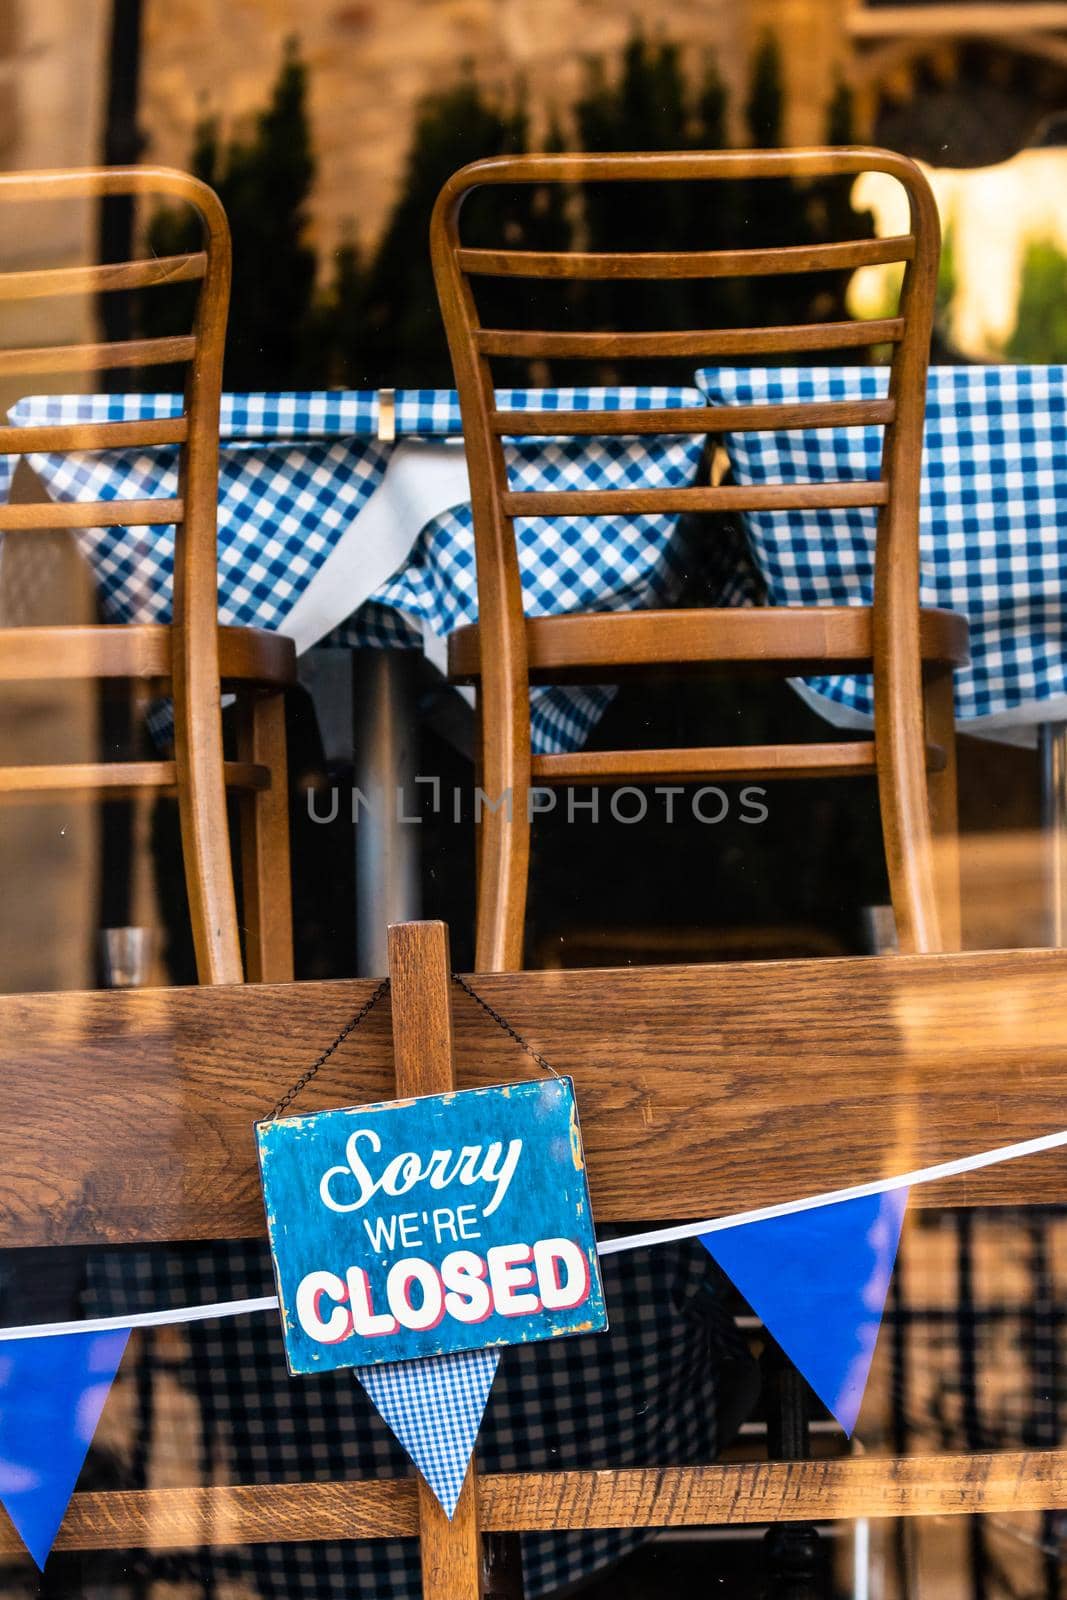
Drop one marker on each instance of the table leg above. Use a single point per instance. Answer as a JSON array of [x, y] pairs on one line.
[[366, 706], [385, 737], [1053, 746], [325, 671]]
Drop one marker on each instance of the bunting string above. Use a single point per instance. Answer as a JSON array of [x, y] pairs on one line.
[[605, 1247]]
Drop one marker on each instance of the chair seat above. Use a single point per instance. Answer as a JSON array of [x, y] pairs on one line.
[[138, 650], [792, 639]]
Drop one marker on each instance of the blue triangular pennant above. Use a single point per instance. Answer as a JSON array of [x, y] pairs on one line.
[[818, 1281], [52, 1391], [435, 1407]]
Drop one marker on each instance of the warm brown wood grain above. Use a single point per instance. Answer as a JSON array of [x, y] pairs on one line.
[[700, 342], [778, 1491], [128, 776], [183, 1519], [137, 650], [190, 653], [94, 357], [789, 638], [268, 915], [92, 435], [698, 419], [864, 1486], [584, 264], [759, 497], [104, 278], [703, 1090], [940, 710], [694, 1083], [420, 975], [504, 666], [118, 513], [851, 759]]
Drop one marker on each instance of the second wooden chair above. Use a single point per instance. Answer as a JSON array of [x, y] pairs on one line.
[[911, 652]]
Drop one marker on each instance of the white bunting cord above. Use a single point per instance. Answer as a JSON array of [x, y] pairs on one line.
[[607, 1247], [143, 1319], [833, 1197]]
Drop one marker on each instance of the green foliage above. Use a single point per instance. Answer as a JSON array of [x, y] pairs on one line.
[[766, 97], [402, 341], [712, 104], [1040, 332], [377, 323], [643, 109], [947, 285], [839, 118], [264, 184]]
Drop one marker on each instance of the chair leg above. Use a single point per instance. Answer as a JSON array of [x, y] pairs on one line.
[[944, 810], [204, 825], [900, 749], [265, 871], [502, 804]]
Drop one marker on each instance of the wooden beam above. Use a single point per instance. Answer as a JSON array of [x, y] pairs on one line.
[[991, 19], [703, 1090], [420, 974], [845, 1487], [778, 1491]]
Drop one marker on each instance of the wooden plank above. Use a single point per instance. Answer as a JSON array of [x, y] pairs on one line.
[[703, 1090], [758, 1492], [17, 783], [701, 342], [420, 974], [176, 348], [657, 264], [95, 514], [698, 419], [103, 278], [136, 650], [764, 497], [788, 639], [92, 435], [269, 1513], [986, 18], [851, 758], [778, 1491]]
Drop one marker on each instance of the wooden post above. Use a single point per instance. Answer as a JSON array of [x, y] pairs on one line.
[[421, 995]]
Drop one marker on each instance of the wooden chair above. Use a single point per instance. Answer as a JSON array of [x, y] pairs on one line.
[[715, 1089], [193, 652], [912, 653]]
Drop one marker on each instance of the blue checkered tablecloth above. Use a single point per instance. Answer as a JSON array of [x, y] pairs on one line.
[[993, 523], [298, 469]]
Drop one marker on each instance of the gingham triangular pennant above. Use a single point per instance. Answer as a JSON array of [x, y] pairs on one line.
[[435, 1407]]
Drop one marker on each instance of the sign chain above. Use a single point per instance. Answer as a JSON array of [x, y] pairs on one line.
[[368, 1006], [503, 1023], [302, 1082]]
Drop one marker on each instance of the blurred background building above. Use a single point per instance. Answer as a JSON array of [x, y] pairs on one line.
[[961, 84]]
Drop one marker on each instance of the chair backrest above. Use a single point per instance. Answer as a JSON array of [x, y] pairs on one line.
[[128, 1118], [459, 270], [190, 656], [195, 430]]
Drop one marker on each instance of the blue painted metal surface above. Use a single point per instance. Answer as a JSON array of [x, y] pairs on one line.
[[419, 1227]]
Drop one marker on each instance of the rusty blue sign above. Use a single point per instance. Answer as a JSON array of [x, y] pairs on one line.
[[422, 1227]]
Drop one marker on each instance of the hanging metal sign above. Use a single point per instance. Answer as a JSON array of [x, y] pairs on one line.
[[422, 1227]]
